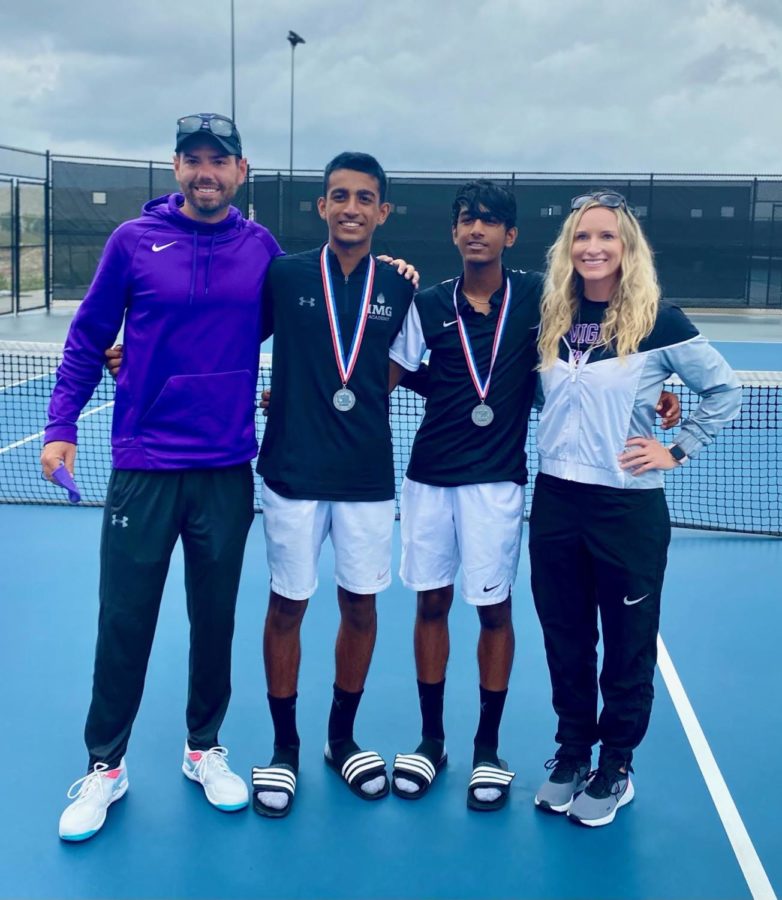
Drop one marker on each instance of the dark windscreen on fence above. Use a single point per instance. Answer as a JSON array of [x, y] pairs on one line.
[[717, 240], [89, 200]]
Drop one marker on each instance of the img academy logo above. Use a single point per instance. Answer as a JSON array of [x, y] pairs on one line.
[[380, 310]]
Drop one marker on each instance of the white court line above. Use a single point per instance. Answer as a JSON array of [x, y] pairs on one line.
[[14, 384], [33, 437], [746, 855]]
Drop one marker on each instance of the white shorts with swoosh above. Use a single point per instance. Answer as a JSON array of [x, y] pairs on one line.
[[475, 526], [296, 529]]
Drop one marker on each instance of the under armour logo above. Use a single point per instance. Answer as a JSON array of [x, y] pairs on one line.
[[119, 520], [303, 301]]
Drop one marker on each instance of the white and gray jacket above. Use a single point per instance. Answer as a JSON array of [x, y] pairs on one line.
[[594, 404]]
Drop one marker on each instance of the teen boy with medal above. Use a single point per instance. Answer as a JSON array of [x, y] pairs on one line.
[[463, 497], [327, 465]]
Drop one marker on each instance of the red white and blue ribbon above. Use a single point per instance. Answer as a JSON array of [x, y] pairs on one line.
[[346, 366], [482, 387]]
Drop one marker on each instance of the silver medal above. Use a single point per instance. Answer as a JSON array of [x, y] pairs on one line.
[[482, 415], [344, 399]]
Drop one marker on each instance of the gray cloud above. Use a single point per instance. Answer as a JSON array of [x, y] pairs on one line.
[[736, 66], [769, 10], [507, 84]]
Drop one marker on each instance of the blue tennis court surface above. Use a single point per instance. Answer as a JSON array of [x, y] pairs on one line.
[[705, 822], [749, 356], [721, 621]]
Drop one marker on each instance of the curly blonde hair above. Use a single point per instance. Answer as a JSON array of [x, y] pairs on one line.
[[632, 308]]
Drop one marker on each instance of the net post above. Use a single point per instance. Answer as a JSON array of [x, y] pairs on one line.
[[279, 206], [751, 242], [16, 256], [651, 197]]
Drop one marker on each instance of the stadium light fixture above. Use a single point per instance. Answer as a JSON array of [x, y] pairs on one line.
[[294, 39]]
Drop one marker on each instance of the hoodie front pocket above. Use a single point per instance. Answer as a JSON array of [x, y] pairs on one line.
[[205, 411]]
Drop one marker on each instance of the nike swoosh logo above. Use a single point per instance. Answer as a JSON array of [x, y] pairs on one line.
[[446, 324], [492, 588], [633, 602], [156, 248]]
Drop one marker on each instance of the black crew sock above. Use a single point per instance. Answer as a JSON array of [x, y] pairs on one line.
[[487, 735], [430, 697], [286, 737], [344, 707]]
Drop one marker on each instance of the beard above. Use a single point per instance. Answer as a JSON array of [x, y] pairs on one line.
[[210, 204]]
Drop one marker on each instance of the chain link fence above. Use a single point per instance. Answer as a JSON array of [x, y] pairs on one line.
[[717, 238], [24, 230]]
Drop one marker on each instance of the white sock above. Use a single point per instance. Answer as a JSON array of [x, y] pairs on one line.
[[487, 795], [273, 799], [404, 784], [374, 786]]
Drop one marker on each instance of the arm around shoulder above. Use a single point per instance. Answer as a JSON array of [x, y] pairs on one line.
[[409, 346]]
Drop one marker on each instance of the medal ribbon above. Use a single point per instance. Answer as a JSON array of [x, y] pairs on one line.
[[482, 388], [346, 366]]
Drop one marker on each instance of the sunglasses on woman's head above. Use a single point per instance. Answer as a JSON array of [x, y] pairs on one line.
[[604, 198]]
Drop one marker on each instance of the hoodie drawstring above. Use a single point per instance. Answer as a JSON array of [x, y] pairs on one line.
[[209, 264], [194, 266]]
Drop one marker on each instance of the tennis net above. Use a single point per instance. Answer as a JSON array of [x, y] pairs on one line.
[[734, 485]]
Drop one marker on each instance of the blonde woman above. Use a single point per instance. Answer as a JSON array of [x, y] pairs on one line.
[[599, 529]]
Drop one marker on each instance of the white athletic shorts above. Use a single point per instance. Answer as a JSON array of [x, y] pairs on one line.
[[296, 529], [475, 525]]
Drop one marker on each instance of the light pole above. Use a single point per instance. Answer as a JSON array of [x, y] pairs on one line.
[[233, 68], [294, 39]]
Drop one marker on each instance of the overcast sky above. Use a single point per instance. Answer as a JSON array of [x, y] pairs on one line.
[[524, 85]]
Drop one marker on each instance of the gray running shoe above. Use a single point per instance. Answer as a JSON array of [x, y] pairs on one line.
[[606, 791], [568, 776]]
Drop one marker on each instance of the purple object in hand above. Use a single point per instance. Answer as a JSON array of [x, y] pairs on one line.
[[64, 478]]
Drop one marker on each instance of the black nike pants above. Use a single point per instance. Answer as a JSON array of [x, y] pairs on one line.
[[595, 548], [211, 510]]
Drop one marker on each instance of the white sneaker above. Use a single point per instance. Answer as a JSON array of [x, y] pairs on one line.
[[92, 795], [223, 788]]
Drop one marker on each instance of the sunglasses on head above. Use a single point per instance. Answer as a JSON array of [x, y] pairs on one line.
[[605, 198], [221, 126]]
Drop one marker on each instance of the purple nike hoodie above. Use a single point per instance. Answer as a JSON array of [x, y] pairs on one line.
[[190, 293]]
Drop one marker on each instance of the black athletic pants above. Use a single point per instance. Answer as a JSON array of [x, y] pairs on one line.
[[145, 513], [599, 548]]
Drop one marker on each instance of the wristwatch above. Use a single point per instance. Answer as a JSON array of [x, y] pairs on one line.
[[678, 454]]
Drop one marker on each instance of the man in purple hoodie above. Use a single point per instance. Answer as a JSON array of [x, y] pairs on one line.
[[187, 278]]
